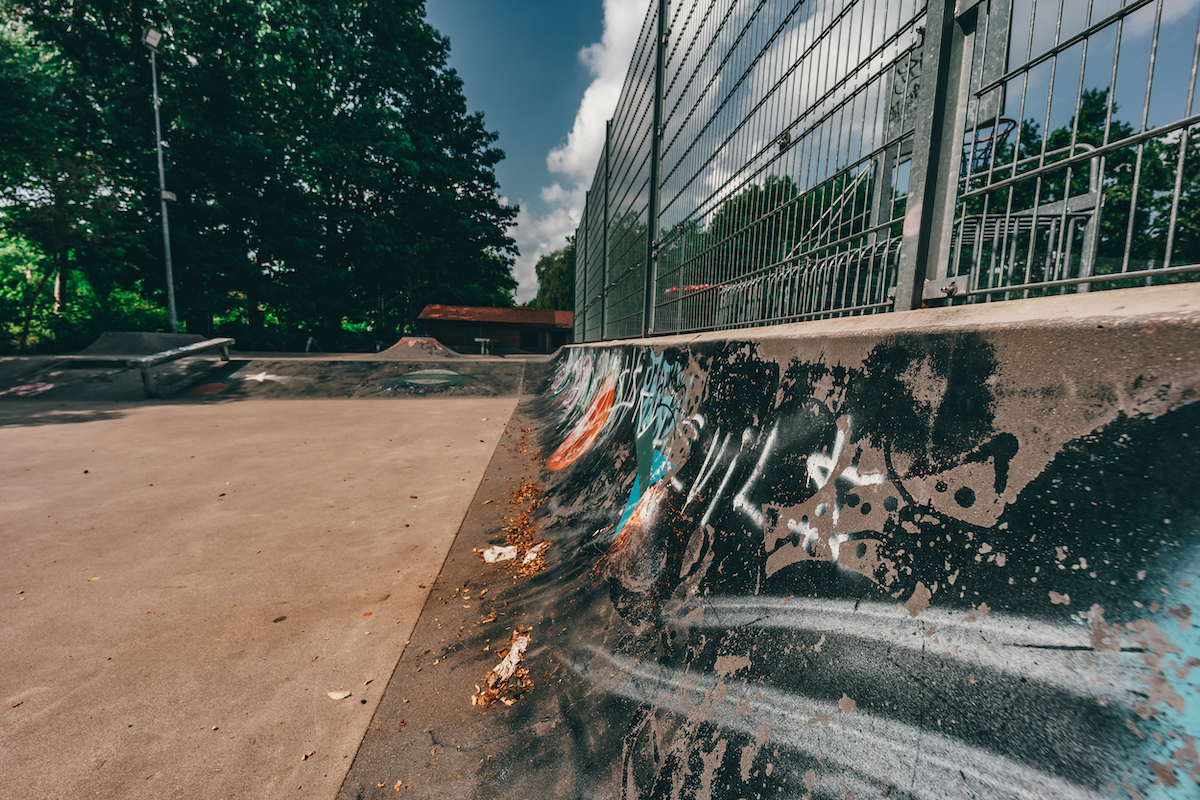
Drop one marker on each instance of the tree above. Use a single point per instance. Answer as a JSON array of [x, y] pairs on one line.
[[330, 178], [556, 279], [60, 202]]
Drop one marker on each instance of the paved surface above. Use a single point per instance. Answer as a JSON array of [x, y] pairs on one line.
[[183, 583], [427, 737]]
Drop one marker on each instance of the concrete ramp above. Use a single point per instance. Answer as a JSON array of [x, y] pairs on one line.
[[417, 348], [137, 343], [272, 378], [949, 553], [278, 378], [100, 371]]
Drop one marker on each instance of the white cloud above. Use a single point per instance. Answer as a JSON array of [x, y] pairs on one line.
[[608, 61], [537, 236], [576, 158]]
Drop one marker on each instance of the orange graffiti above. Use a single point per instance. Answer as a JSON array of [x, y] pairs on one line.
[[632, 534], [587, 429]]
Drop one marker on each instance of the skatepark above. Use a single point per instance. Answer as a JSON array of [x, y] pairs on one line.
[[950, 552]]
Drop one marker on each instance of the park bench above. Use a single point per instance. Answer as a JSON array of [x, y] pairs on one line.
[[145, 363]]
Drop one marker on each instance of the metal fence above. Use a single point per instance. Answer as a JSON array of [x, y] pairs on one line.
[[775, 161]]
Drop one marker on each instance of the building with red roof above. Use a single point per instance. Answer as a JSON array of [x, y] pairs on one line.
[[530, 330]]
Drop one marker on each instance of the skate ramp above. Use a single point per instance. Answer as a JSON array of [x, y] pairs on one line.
[[416, 348], [939, 554], [98, 378], [99, 371], [204, 380], [132, 344], [280, 378]]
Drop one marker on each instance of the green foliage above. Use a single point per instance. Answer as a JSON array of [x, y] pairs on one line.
[[330, 178], [556, 279]]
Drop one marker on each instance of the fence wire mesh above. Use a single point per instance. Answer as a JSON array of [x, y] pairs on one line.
[[774, 161]]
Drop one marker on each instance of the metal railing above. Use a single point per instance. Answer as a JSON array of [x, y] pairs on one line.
[[775, 161]]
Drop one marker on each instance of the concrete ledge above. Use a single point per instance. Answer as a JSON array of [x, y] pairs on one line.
[[1177, 302]]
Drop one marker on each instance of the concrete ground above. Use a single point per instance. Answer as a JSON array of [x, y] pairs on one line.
[[183, 583]]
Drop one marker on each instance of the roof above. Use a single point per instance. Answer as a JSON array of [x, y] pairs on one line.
[[502, 316]]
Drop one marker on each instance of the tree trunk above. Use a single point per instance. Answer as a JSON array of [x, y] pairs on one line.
[[60, 290]]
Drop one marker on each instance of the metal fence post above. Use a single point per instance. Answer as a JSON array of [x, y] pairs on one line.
[[581, 271], [928, 167], [656, 136], [607, 222]]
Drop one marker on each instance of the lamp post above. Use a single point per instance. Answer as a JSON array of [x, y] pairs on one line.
[[151, 37]]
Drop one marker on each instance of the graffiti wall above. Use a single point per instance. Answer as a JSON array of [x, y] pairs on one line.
[[958, 564]]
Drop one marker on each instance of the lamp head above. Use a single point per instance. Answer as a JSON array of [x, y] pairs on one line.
[[151, 37]]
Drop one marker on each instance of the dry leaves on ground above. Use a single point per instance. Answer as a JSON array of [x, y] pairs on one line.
[[508, 680]]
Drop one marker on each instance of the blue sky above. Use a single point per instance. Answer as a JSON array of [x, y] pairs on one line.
[[546, 76]]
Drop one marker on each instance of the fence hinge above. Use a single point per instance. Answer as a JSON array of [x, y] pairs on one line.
[[944, 288]]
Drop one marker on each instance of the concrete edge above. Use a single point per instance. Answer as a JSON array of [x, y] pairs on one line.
[[428, 604], [1171, 303]]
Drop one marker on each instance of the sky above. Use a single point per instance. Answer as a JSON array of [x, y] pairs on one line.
[[546, 74]]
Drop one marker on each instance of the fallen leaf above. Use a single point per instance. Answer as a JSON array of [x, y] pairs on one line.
[[309, 753], [412, 497], [14, 705], [338, 695], [485, 502], [397, 786], [485, 591], [368, 614], [214, 727], [94, 579], [368, 681]]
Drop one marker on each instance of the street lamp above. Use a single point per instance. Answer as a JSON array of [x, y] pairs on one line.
[[152, 37]]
